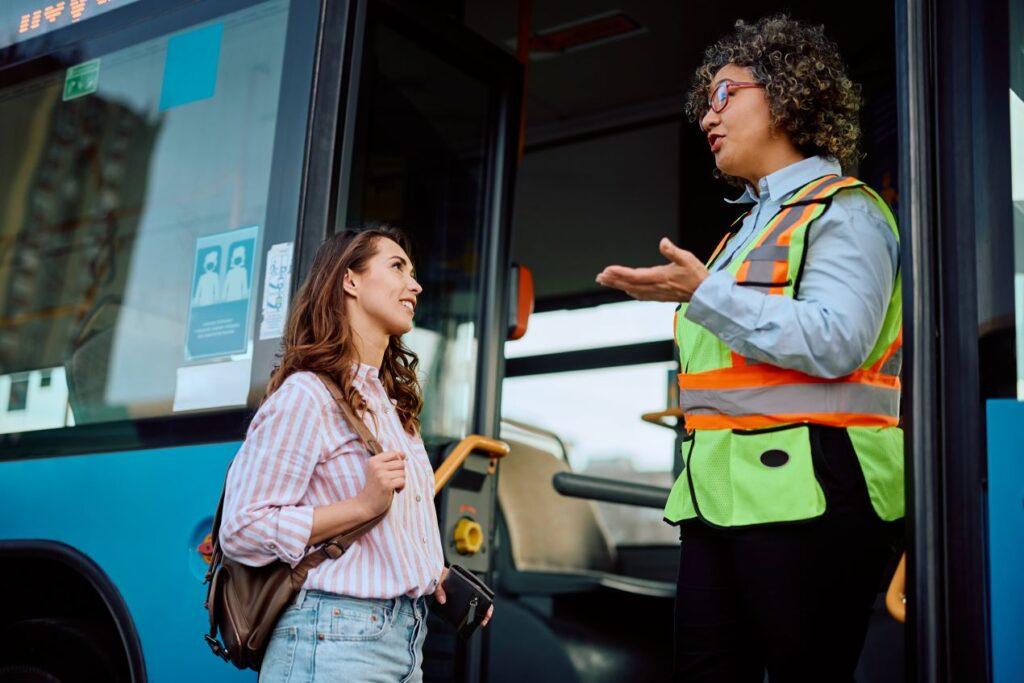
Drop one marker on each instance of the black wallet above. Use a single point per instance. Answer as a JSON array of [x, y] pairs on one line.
[[467, 601]]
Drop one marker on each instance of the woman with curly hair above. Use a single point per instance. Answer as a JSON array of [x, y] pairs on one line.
[[790, 347], [303, 476]]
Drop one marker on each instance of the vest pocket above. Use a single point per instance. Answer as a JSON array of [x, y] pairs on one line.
[[760, 477]]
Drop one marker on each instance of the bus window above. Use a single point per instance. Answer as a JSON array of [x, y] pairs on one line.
[[134, 191], [596, 411], [420, 163], [1017, 178]]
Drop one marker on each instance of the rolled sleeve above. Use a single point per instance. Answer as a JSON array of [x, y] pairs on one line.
[[832, 325], [724, 308], [264, 519]]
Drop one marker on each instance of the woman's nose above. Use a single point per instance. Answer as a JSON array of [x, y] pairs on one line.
[[414, 286], [709, 120]]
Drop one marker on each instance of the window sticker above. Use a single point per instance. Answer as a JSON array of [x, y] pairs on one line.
[[190, 68], [276, 288], [212, 385], [82, 79], [218, 313]]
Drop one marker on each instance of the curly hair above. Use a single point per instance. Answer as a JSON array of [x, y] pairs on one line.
[[319, 338], [810, 96]]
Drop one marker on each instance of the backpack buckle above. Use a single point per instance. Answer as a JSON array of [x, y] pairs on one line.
[[217, 648], [332, 550]]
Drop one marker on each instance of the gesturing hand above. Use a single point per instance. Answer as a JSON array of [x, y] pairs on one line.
[[673, 281], [385, 474]]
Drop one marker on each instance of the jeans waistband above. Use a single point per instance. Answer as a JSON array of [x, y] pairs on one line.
[[403, 604]]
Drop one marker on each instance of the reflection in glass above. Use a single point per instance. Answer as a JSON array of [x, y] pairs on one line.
[[1017, 187], [102, 200], [419, 164]]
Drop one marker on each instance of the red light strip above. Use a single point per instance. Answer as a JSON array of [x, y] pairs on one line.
[[51, 13]]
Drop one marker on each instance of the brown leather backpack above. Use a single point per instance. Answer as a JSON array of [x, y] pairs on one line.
[[245, 602]]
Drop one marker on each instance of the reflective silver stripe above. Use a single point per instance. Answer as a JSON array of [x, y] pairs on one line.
[[769, 252], [793, 399], [790, 215], [760, 271], [825, 190], [893, 365]]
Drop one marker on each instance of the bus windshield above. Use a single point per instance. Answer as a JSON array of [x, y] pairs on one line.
[[134, 190]]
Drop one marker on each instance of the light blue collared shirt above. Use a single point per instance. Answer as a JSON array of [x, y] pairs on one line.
[[829, 329]]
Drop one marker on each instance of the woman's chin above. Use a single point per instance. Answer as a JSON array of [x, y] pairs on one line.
[[400, 327], [722, 162]]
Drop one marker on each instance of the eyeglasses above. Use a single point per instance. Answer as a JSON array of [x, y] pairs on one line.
[[719, 97]]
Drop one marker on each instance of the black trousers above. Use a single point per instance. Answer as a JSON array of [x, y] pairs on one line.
[[791, 599]]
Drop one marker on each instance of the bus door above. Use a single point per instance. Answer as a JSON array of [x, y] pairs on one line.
[[427, 138]]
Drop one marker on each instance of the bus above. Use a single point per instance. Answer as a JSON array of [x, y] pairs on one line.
[[168, 170]]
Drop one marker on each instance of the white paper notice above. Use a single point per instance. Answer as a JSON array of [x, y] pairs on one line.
[[276, 285], [213, 385]]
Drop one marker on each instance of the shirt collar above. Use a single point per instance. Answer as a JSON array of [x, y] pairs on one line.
[[363, 373], [777, 186]]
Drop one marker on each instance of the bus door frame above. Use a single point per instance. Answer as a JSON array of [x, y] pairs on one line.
[[953, 78], [331, 143]]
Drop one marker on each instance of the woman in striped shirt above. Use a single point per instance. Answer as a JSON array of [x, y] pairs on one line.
[[303, 475]]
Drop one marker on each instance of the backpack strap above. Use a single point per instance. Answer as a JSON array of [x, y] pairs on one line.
[[337, 546], [333, 548]]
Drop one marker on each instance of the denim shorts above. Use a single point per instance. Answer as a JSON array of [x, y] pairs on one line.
[[327, 637]]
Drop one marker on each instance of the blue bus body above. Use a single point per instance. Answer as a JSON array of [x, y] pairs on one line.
[[140, 516]]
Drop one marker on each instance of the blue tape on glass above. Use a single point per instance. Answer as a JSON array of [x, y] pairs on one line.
[[190, 70]]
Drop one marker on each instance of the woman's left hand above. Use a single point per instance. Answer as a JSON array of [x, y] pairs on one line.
[[440, 596], [674, 281]]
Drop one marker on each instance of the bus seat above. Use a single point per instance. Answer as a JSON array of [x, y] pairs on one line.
[[558, 590], [551, 544], [546, 531]]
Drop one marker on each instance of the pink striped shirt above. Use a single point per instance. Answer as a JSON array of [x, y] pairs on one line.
[[300, 453]]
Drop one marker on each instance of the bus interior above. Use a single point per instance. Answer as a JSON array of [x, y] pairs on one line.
[[610, 164]]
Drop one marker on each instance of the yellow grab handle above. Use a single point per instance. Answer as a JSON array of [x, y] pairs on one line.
[[658, 417], [474, 442], [469, 537], [896, 596]]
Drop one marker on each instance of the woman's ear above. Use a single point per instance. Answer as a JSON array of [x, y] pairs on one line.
[[349, 283]]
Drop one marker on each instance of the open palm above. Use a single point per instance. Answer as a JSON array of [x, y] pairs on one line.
[[676, 280]]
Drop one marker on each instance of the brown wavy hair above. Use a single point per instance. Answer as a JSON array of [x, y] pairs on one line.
[[319, 337], [809, 94]]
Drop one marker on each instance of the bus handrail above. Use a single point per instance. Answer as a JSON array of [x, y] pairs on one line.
[[472, 443], [658, 417], [610, 490]]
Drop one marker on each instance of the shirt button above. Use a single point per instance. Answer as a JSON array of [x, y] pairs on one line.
[[272, 546], [337, 612], [424, 539], [419, 498]]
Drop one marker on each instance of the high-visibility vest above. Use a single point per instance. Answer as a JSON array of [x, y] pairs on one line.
[[748, 460]]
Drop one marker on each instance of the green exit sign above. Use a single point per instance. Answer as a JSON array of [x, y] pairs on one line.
[[82, 79]]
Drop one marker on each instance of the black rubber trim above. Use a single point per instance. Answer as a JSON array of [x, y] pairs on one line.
[[769, 430], [591, 359], [751, 283], [803, 257], [101, 583]]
